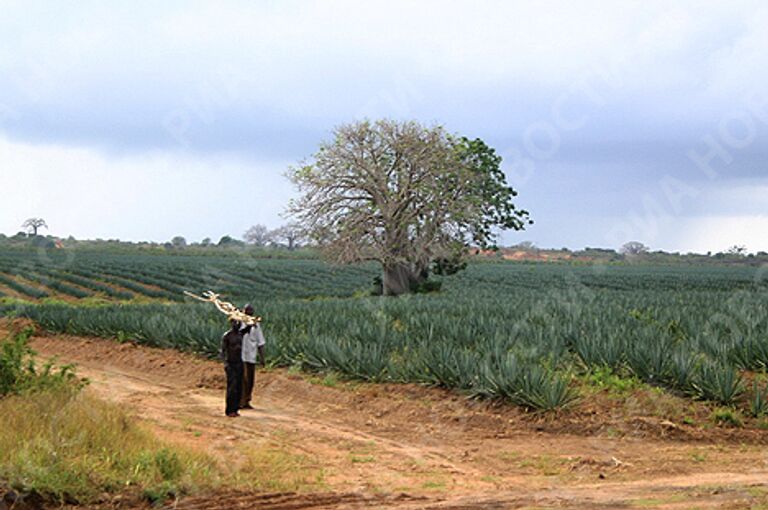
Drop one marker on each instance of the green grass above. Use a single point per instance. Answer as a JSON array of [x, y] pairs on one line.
[[72, 447], [728, 417], [615, 385], [362, 459]]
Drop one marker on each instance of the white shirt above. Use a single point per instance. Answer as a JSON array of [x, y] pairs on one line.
[[251, 341]]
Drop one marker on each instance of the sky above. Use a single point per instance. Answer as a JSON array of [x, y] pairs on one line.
[[617, 120]]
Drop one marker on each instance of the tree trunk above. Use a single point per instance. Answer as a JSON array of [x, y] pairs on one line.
[[400, 279]]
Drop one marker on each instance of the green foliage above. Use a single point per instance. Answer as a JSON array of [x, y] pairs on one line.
[[540, 389], [718, 382], [605, 378], [728, 417], [446, 266], [20, 373], [758, 402], [71, 447], [525, 384], [22, 288], [502, 330], [492, 193], [427, 286]]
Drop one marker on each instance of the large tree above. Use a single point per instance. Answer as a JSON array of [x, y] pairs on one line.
[[290, 235], [33, 224], [409, 196], [634, 248]]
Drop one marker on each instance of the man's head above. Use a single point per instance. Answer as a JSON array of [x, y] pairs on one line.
[[234, 324], [248, 309]]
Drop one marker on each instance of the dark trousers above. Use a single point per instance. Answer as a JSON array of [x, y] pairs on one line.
[[249, 375], [234, 385]]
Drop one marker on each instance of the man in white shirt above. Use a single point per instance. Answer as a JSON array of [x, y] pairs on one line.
[[253, 344]]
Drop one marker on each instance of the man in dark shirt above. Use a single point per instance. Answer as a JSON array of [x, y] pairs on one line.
[[232, 355]]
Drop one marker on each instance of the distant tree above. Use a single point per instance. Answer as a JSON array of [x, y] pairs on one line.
[[404, 195], [290, 235], [737, 249], [230, 241], [633, 248], [206, 242], [33, 224], [526, 245], [258, 235], [179, 242]]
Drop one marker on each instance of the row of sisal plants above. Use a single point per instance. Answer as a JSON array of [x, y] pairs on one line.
[[519, 347]]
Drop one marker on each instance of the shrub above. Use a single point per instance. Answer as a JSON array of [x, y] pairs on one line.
[[19, 372]]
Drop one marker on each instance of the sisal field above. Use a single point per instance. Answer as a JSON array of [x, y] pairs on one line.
[[518, 332]]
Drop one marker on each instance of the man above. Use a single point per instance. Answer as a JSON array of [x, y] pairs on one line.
[[253, 343], [232, 355]]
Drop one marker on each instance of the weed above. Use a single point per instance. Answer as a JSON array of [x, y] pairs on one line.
[[727, 416], [434, 485], [605, 378], [356, 459]]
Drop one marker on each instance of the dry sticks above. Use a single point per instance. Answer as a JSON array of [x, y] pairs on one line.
[[224, 307]]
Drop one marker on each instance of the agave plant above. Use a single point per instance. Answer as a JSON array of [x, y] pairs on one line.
[[682, 369], [649, 357], [758, 403], [543, 390], [499, 377], [718, 382]]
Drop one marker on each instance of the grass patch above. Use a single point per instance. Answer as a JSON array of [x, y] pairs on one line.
[[654, 502], [272, 469], [728, 417], [546, 465], [70, 447], [362, 459], [509, 456], [698, 456], [434, 485], [613, 383], [329, 380]]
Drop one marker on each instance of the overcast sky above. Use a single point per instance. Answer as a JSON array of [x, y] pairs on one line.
[[617, 120]]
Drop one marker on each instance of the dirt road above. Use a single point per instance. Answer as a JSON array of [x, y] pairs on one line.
[[351, 446]]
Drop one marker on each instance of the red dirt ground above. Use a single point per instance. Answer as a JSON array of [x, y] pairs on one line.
[[382, 446]]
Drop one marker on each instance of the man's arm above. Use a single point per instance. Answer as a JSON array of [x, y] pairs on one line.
[[260, 341], [222, 352], [262, 357]]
